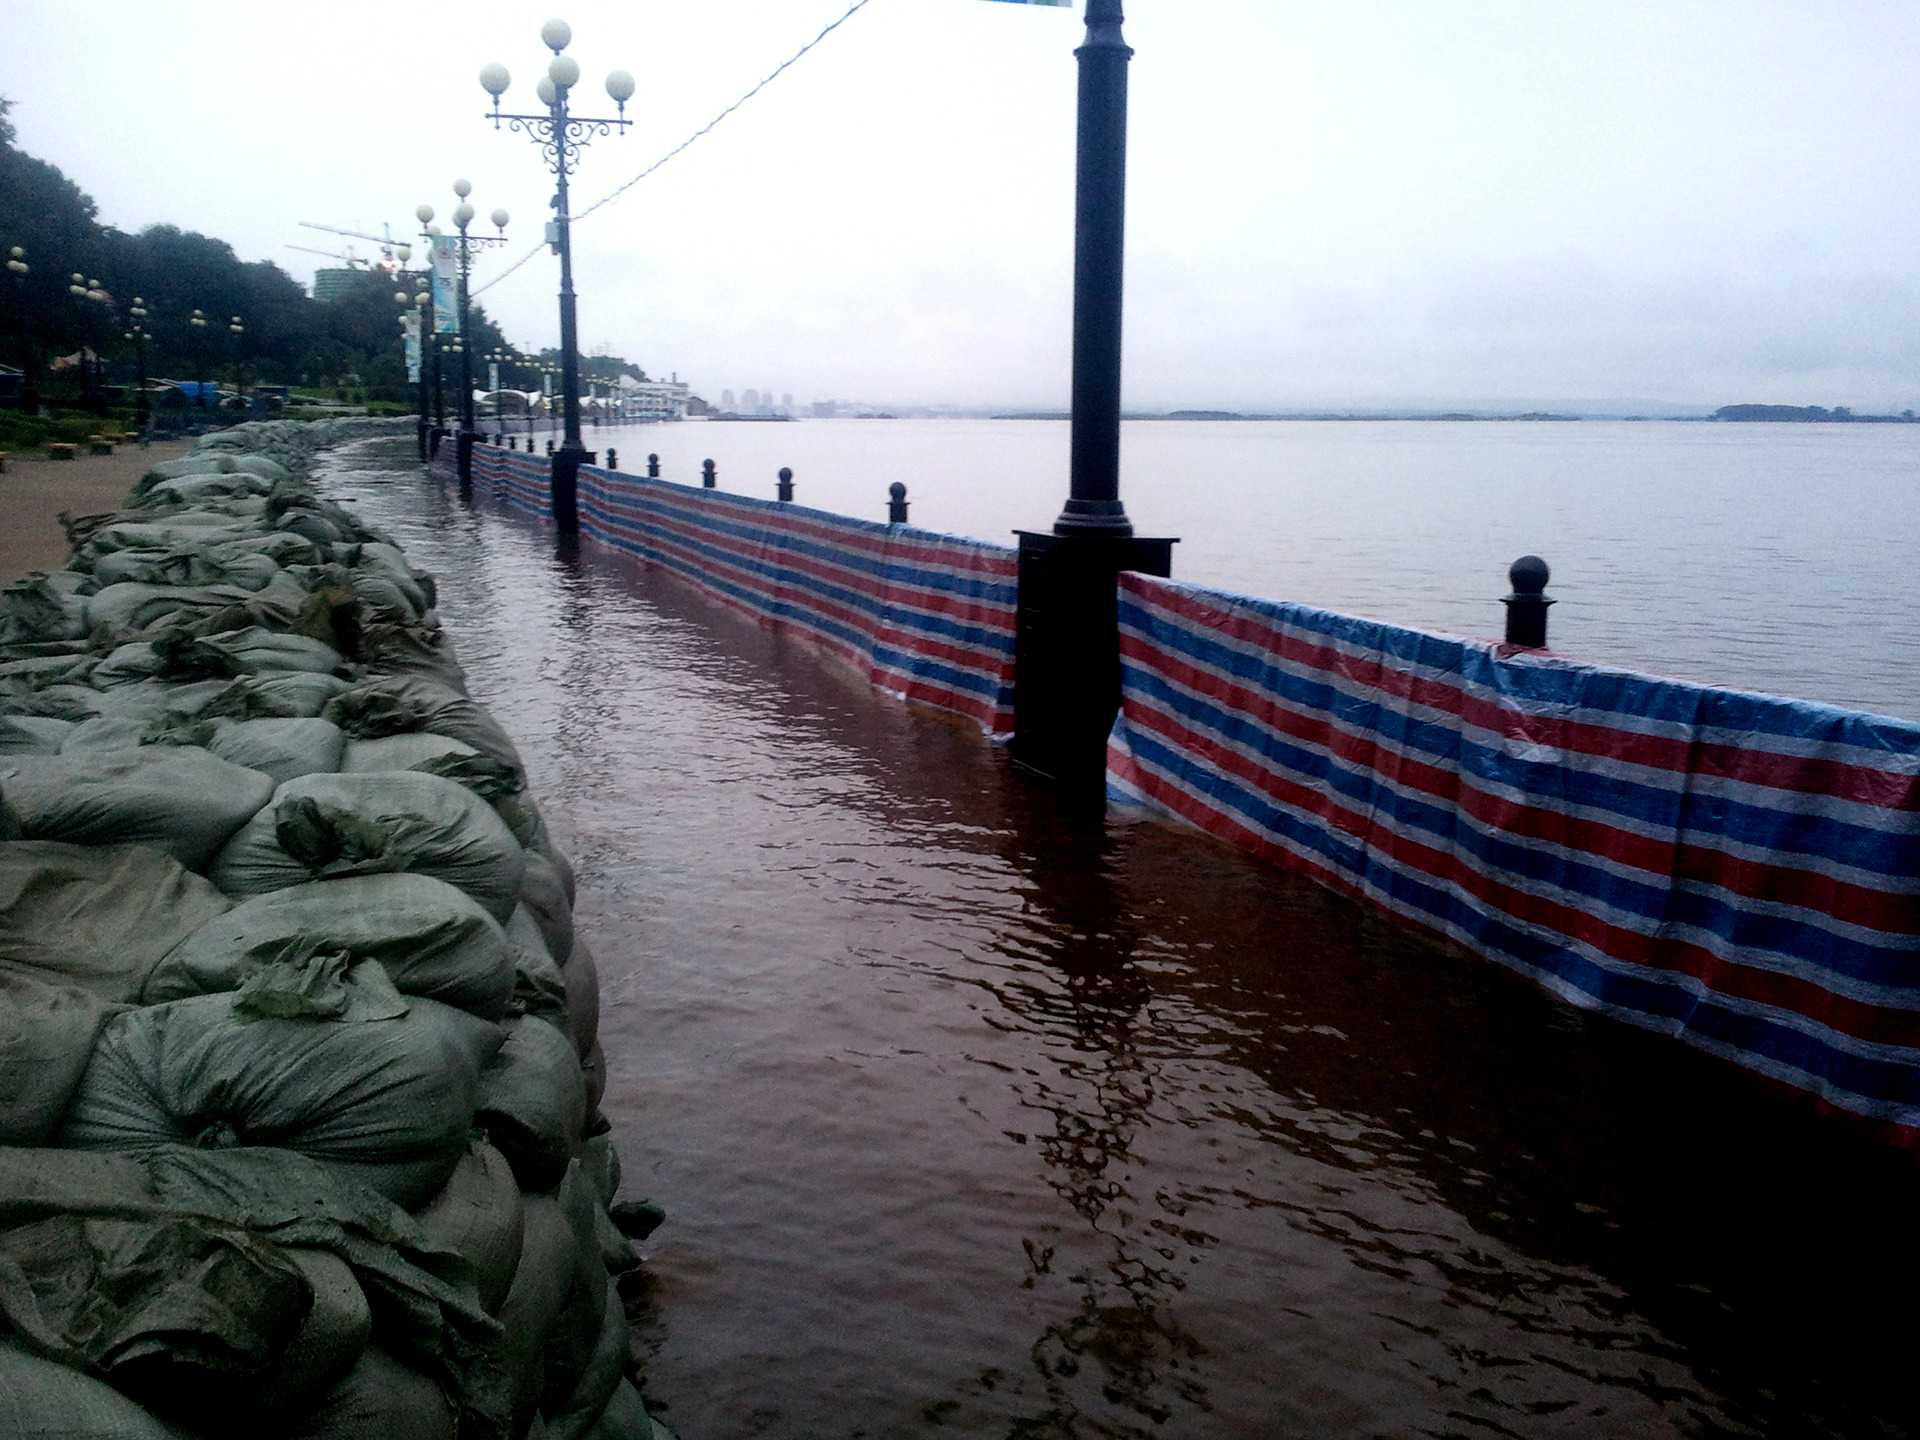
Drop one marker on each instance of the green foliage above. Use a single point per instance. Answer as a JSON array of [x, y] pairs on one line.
[[349, 344]]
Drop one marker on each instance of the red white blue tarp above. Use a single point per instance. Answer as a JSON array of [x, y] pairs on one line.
[[515, 479], [1736, 870], [926, 617]]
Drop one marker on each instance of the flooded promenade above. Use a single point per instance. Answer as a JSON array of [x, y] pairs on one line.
[[971, 1123]]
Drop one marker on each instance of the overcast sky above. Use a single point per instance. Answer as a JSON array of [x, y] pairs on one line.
[[1375, 201]]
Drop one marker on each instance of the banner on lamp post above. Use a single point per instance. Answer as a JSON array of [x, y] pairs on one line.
[[493, 376], [410, 329], [446, 285]]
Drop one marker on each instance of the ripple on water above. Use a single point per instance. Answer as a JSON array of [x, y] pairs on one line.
[[968, 1122]]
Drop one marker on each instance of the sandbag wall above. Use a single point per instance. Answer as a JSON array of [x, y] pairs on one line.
[[299, 1078]]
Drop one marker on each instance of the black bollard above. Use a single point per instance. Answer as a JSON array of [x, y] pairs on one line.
[[549, 447], [786, 485], [653, 467], [613, 458], [513, 442], [709, 477], [896, 504], [1527, 605]]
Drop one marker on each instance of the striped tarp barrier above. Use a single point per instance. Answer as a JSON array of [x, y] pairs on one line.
[[1736, 870], [515, 480], [926, 617]]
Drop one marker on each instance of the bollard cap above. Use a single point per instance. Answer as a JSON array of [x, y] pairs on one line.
[[785, 473], [1528, 576], [652, 456], [897, 490]]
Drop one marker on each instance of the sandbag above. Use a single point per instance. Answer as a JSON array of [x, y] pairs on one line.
[[44, 1400], [532, 1103], [410, 648], [331, 826], [542, 1283], [539, 989], [478, 1214], [545, 897], [129, 665], [298, 695], [34, 610], [593, 1071], [176, 798], [47, 1032], [401, 703], [626, 1418], [411, 751], [331, 1337], [378, 1399], [383, 1091], [433, 941], [604, 1369], [577, 1330], [582, 977], [255, 650], [97, 917], [198, 566], [282, 750], [32, 735]]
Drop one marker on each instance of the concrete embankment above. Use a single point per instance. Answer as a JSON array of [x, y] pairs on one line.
[[299, 1064]]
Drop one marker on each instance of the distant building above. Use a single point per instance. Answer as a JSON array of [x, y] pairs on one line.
[[330, 285], [726, 400], [750, 403], [825, 409], [786, 403], [655, 399]]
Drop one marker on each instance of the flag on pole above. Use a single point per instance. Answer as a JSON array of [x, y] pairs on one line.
[[446, 285]]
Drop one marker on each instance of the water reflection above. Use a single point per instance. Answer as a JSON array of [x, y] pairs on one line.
[[973, 1121]]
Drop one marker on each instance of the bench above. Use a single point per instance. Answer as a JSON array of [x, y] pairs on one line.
[[99, 445], [3, 462], [57, 451]]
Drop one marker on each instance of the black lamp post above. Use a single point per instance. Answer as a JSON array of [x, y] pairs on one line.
[[463, 214], [422, 301], [561, 136], [1067, 646], [237, 328], [92, 376], [29, 391], [142, 407], [196, 333]]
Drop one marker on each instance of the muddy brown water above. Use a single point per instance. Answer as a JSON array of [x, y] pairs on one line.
[[970, 1122]]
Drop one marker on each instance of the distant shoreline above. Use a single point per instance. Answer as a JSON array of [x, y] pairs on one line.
[[1730, 414]]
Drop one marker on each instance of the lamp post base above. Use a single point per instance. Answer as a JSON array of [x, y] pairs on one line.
[[567, 461], [1067, 653], [463, 457], [420, 428]]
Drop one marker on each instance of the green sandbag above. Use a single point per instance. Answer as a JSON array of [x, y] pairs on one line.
[[582, 979], [47, 1033], [330, 826], [542, 1283], [379, 1399], [44, 1400], [97, 916], [35, 609], [330, 1340], [176, 798], [626, 1418], [577, 1331], [298, 695], [545, 897], [411, 751], [432, 940], [387, 1101], [32, 735], [602, 1373], [256, 650], [478, 1214], [199, 463], [539, 988], [201, 566], [418, 649], [282, 750], [397, 704], [533, 1103]]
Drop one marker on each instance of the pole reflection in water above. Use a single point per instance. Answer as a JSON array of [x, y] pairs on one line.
[[972, 1122]]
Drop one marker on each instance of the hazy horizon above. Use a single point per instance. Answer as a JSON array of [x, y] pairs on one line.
[[1391, 206]]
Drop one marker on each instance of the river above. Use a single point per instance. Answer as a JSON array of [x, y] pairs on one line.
[[1757, 556], [969, 1122]]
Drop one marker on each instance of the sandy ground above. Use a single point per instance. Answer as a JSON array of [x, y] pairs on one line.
[[34, 491]]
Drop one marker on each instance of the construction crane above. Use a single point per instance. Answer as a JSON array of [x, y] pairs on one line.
[[353, 260], [385, 241]]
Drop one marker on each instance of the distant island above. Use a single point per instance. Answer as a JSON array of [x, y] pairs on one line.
[[1809, 414]]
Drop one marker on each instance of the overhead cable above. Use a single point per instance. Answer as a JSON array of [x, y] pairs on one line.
[[613, 195]]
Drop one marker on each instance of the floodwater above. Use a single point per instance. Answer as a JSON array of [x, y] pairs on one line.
[[971, 1122], [1760, 557]]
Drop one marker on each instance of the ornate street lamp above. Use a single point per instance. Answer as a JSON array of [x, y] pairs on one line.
[[142, 407], [92, 378], [561, 136], [422, 301], [463, 214], [196, 334], [237, 328], [29, 392]]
